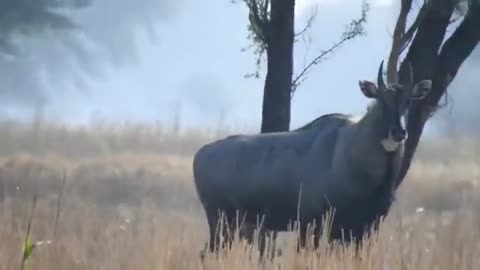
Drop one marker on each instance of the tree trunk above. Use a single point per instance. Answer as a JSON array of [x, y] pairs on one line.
[[441, 67], [278, 82]]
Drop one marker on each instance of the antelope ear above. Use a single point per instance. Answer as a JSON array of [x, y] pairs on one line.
[[420, 90], [369, 89]]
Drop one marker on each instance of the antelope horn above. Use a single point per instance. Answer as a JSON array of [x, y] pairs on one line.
[[380, 82]]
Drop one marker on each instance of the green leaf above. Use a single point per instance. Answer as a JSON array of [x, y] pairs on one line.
[[28, 249]]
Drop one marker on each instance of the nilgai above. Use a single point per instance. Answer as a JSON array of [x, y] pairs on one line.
[[334, 162]]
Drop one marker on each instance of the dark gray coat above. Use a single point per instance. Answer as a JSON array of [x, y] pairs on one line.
[[332, 162]]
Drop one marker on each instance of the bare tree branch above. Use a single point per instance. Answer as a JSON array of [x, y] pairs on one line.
[[354, 29], [398, 41], [408, 36], [309, 23], [300, 77], [402, 38]]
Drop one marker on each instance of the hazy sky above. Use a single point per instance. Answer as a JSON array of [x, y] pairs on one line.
[[196, 65]]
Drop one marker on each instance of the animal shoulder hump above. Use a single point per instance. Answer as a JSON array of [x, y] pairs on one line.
[[326, 119]]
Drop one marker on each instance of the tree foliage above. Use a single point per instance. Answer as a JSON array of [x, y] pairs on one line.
[[30, 17], [50, 46]]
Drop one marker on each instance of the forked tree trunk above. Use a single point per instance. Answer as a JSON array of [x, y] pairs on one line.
[[439, 65], [278, 82]]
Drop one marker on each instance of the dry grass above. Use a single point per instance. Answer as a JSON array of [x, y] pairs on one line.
[[129, 203]]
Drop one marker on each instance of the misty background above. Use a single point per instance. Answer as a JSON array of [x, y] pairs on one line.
[[162, 60]]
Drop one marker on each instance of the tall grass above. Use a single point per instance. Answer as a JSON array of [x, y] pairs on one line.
[[129, 203]]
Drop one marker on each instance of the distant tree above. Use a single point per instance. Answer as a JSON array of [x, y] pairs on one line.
[[31, 17], [433, 54], [50, 46], [272, 30]]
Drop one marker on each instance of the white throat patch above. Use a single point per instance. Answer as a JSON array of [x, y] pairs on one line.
[[389, 144]]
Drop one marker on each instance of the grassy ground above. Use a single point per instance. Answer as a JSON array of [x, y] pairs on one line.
[[129, 203]]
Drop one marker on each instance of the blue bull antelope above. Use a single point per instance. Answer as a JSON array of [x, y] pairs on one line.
[[334, 162]]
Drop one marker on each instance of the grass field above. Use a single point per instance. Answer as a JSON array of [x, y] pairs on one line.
[[129, 203]]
